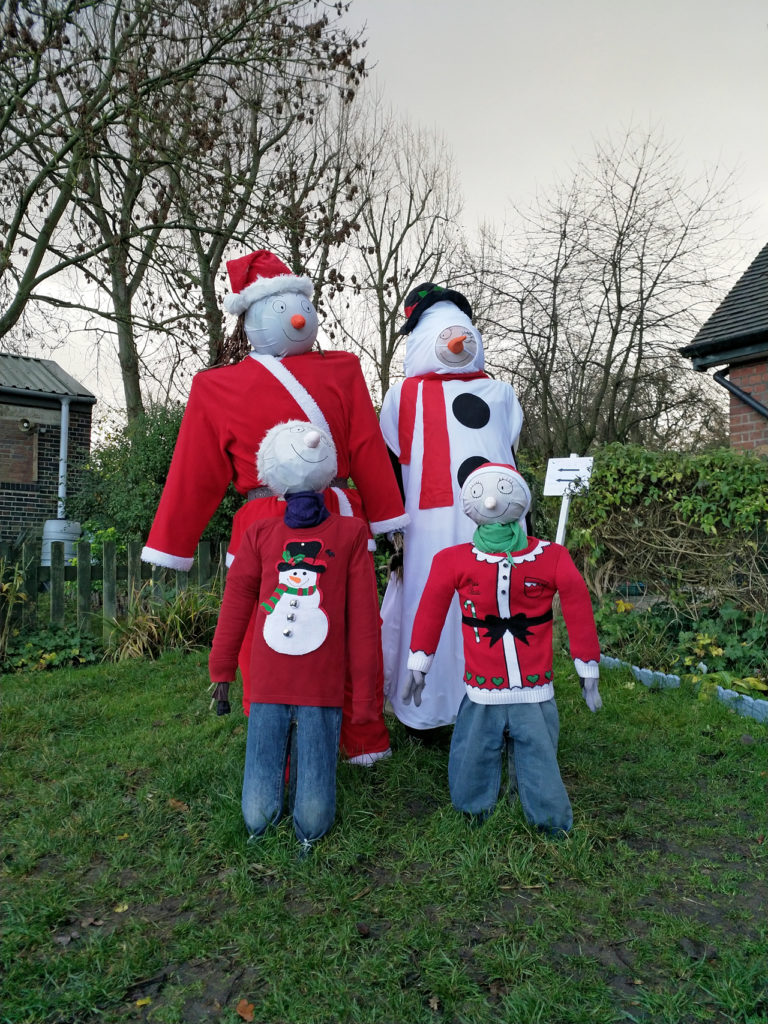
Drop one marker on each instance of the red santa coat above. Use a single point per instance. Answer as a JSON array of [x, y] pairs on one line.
[[506, 619], [229, 411], [345, 598]]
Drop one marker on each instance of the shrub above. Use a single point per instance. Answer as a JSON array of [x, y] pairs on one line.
[[692, 528], [120, 485], [52, 647], [182, 621]]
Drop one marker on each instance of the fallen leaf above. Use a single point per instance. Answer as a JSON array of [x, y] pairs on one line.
[[434, 1003], [125, 835], [120, 908], [245, 1010], [143, 1002], [178, 805], [363, 892]]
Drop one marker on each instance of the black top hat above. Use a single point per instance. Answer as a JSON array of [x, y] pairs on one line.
[[425, 295], [302, 554]]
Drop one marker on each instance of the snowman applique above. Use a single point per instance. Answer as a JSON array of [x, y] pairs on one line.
[[296, 622]]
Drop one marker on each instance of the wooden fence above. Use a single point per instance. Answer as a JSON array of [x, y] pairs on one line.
[[207, 567]]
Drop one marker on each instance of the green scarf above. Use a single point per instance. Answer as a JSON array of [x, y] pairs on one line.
[[495, 538]]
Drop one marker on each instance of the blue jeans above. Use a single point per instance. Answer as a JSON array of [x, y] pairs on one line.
[[528, 733], [311, 736]]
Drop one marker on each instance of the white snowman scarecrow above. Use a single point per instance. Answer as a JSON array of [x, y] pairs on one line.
[[444, 420], [230, 409]]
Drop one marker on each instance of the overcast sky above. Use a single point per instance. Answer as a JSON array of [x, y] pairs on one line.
[[522, 88]]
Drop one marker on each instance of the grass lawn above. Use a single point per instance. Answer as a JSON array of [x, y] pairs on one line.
[[130, 895]]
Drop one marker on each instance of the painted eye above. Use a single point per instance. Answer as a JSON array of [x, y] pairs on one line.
[[476, 490], [279, 306], [446, 333], [300, 429], [306, 306], [504, 485]]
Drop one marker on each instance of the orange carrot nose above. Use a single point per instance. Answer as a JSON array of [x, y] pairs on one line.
[[295, 579], [297, 321], [456, 345]]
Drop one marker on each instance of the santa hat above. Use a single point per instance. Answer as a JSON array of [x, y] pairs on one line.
[[425, 295], [257, 275]]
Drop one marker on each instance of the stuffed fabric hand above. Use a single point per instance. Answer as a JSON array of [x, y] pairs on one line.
[[590, 693], [415, 682], [221, 698]]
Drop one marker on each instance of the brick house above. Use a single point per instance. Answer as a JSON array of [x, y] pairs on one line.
[[36, 398], [735, 337]]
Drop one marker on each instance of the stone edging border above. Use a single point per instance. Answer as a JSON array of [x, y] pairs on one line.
[[748, 707]]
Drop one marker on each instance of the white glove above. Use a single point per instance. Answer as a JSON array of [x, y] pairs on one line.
[[414, 684], [590, 693]]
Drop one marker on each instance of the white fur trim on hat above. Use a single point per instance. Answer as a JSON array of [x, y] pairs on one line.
[[237, 302]]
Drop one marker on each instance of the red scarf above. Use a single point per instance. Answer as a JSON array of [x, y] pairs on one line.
[[436, 483]]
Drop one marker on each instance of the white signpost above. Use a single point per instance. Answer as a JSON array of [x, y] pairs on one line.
[[567, 477]]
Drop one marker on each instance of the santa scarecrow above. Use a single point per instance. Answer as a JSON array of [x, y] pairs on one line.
[[230, 409]]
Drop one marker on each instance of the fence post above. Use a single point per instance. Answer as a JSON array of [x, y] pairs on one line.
[[84, 586], [203, 563], [182, 580], [109, 581], [57, 583], [158, 579], [30, 557], [221, 568], [134, 570]]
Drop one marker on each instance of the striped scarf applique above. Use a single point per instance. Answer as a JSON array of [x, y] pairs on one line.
[[271, 603]]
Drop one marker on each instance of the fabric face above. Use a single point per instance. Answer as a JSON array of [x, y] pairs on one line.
[[296, 456], [495, 495], [443, 341], [281, 325], [311, 736]]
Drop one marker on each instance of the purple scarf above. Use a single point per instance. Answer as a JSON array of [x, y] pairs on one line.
[[304, 509]]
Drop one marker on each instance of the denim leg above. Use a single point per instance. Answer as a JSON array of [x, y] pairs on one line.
[[316, 755], [534, 729], [266, 753], [475, 760]]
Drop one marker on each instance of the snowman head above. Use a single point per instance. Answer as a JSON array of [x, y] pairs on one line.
[[278, 317], [443, 340], [495, 493], [296, 456]]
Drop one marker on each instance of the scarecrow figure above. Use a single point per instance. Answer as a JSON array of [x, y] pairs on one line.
[[230, 409], [310, 578], [505, 583], [446, 418]]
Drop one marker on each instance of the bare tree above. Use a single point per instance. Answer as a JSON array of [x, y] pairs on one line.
[[609, 276], [113, 141], [410, 205]]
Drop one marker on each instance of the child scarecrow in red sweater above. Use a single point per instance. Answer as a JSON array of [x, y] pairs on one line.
[[506, 582], [310, 578]]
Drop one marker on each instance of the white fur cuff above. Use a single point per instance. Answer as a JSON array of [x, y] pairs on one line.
[[237, 303], [167, 561]]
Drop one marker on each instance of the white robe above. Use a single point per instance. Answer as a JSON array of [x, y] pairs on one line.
[[433, 529]]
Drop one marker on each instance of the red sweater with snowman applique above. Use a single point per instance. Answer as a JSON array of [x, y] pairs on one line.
[[324, 622]]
